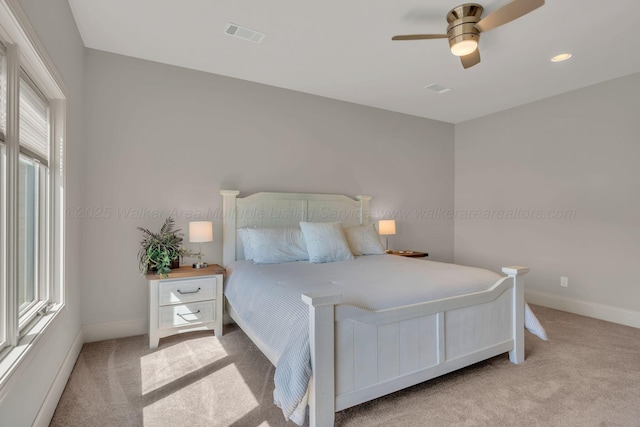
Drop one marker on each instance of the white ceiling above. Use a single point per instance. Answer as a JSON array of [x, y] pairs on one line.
[[343, 49]]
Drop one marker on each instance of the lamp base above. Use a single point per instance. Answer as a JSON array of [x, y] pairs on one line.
[[200, 265]]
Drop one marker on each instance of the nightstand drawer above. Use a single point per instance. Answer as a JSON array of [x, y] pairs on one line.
[[187, 314], [181, 291]]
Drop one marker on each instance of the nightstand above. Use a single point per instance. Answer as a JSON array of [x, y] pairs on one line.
[[189, 299], [411, 254]]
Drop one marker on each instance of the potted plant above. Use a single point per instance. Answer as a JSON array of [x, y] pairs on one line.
[[161, 251]]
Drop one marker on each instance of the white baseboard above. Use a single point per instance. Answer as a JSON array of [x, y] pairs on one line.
[[55, 391], [111, 330], [584, 308]]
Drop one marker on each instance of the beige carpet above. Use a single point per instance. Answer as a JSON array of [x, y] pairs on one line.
[[587, 374]]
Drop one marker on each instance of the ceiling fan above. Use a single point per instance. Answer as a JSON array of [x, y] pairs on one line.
[[466, 24]]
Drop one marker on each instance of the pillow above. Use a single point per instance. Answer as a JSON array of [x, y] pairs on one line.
[[243, 234], [275, 245], [325, 242], [364, 240]]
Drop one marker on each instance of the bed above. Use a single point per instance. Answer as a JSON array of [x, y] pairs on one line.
[[358, 351]]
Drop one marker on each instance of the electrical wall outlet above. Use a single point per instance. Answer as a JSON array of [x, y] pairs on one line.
[[564, 281]]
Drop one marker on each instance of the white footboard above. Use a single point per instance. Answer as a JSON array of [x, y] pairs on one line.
[[358, 355]]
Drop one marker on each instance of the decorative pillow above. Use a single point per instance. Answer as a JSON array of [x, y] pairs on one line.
[[364, 240], [325, 242], [275, 245]]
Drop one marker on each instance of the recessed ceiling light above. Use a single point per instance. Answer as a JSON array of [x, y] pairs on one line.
[[561, 57]]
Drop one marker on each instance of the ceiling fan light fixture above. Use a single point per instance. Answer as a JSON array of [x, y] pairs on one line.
[[464, 47]]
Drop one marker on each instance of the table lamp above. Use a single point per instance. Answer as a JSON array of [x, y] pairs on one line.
[[200, 232], [387, 227]]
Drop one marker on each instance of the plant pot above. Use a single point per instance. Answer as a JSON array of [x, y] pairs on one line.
[[174, 264]]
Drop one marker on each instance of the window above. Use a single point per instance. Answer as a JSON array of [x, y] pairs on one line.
[[32, 130], [3, 259], [33, 210], [27, 212], [3, 196]]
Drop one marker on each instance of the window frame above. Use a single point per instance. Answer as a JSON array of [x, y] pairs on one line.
[[40, 230], [3, 205], [25, 55], [3, 250], [31, 202], [42, 274]]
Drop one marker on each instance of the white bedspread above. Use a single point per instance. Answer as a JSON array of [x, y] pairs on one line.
[[267, 298]]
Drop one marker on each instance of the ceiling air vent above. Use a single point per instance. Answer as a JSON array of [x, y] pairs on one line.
[[437, 88], [244, 33]]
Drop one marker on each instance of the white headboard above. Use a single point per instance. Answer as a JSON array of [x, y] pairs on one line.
[[284, 210]]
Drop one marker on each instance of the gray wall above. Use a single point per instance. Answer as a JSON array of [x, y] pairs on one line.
[[164, 140], [578, 151], [53, 21]]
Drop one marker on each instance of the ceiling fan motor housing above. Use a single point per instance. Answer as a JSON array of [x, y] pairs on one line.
[[462, 20]]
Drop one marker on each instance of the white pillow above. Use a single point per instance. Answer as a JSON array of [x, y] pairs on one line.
[[275, 245], [325, 242], [248, 251], [364, 240]]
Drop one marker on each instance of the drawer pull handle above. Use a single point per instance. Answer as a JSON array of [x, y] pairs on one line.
[[186, 314], [189, 292]]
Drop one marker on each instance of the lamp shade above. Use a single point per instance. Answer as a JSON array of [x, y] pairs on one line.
[[387, 227], [200, 231]]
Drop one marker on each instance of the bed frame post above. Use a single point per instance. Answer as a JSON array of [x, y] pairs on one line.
[[364, 209], [517, 354], [228, 226], [322, 398]]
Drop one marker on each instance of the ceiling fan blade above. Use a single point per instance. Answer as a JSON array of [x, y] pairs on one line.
[[420, 37], [508, 13], [470, 60]]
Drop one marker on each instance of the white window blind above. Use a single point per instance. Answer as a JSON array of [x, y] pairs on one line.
[[34, 122]]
